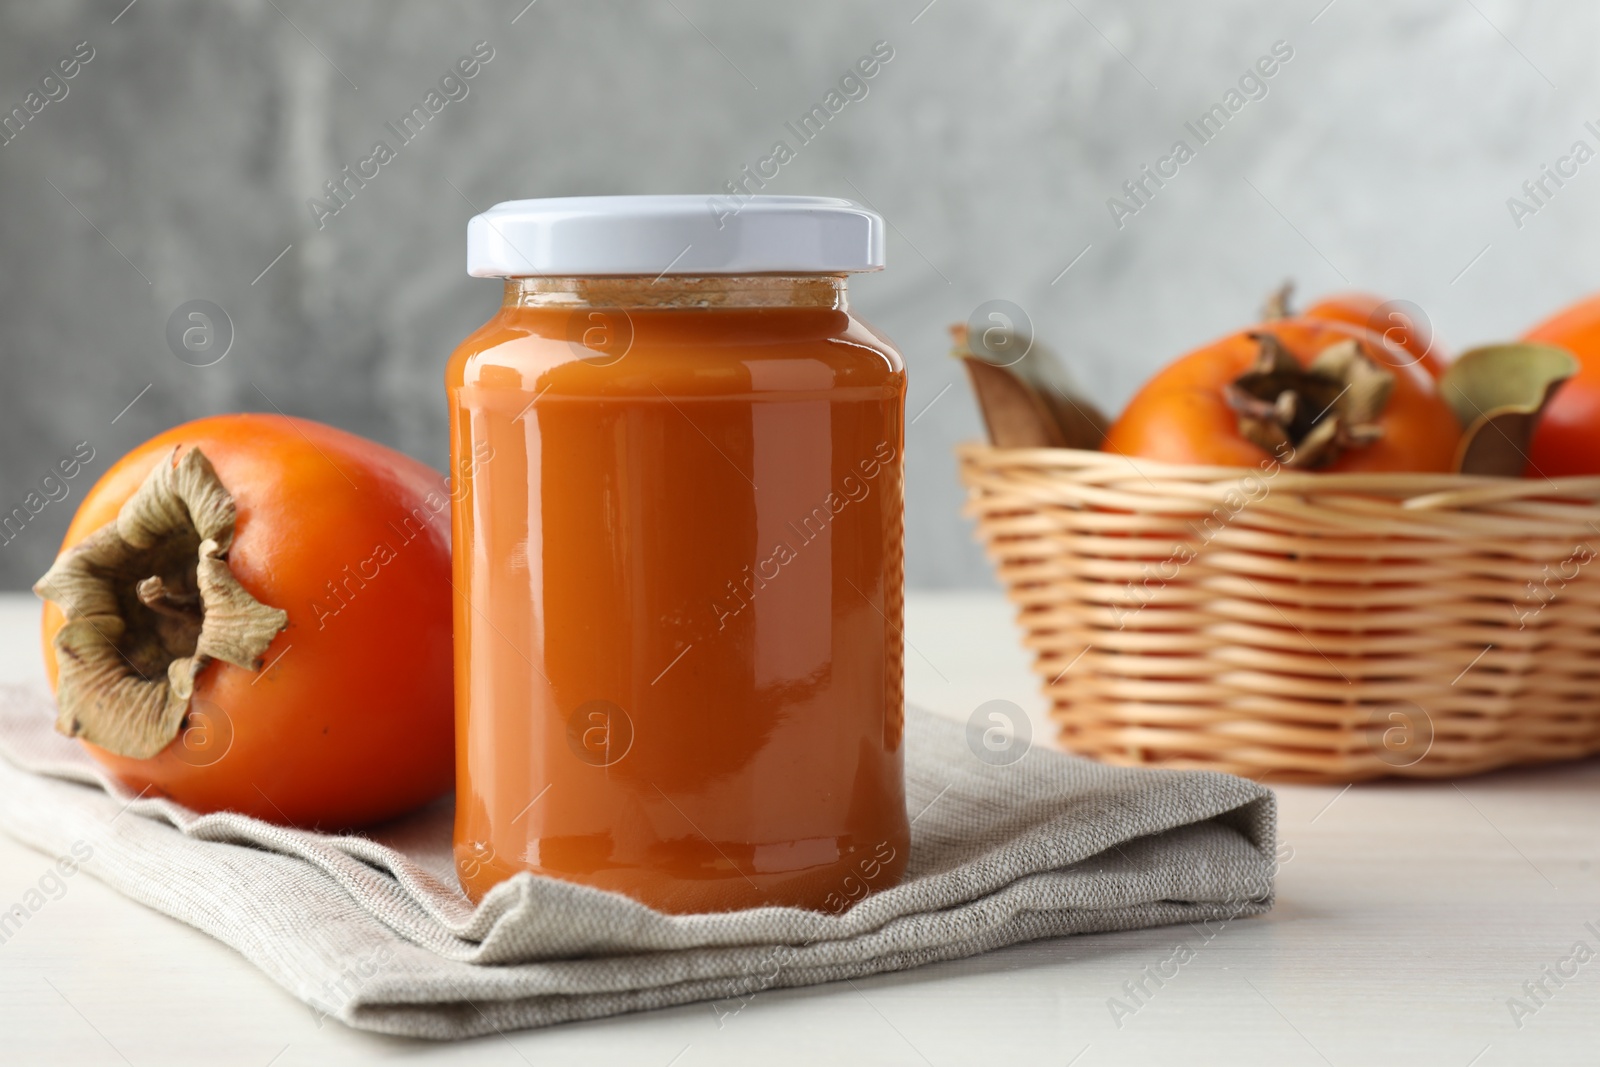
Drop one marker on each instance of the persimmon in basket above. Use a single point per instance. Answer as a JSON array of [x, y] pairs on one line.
[[1311, 393], [252, 613], [1567, 441]]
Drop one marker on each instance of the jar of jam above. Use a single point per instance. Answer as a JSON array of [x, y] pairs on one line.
[[678, 528]]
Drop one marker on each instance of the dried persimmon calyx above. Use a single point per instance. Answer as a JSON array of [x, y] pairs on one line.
[[1314, 413], [150, 601]]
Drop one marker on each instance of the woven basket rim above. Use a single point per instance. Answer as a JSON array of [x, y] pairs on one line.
[[1417, 489]]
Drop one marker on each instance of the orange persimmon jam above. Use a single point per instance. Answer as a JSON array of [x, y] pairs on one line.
[[678, 562]]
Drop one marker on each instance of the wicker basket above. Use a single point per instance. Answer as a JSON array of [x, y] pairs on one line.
[[1310, 627]]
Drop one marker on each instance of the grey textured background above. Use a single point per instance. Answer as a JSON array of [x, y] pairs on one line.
[[179, 164]]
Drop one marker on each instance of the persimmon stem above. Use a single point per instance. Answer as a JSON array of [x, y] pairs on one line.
[[1317, 411], [1279, 304], [154, 594]]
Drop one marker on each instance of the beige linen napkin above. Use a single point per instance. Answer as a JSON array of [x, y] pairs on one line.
[[373, 930]]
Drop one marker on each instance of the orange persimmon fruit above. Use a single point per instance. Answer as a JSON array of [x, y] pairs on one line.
[[1310, 393], [1567, 440], [252, 613]]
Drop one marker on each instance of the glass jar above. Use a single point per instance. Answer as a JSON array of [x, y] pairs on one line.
[[678, 556]]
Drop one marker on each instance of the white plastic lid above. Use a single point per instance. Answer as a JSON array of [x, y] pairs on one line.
[[656, 235]]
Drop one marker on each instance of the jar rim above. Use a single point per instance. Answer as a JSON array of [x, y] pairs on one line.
[[679, 291]]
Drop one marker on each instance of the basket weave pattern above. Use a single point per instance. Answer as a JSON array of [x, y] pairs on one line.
[[1310, 627]]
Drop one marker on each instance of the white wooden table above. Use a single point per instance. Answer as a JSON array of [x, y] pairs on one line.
[[1408, 918]]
